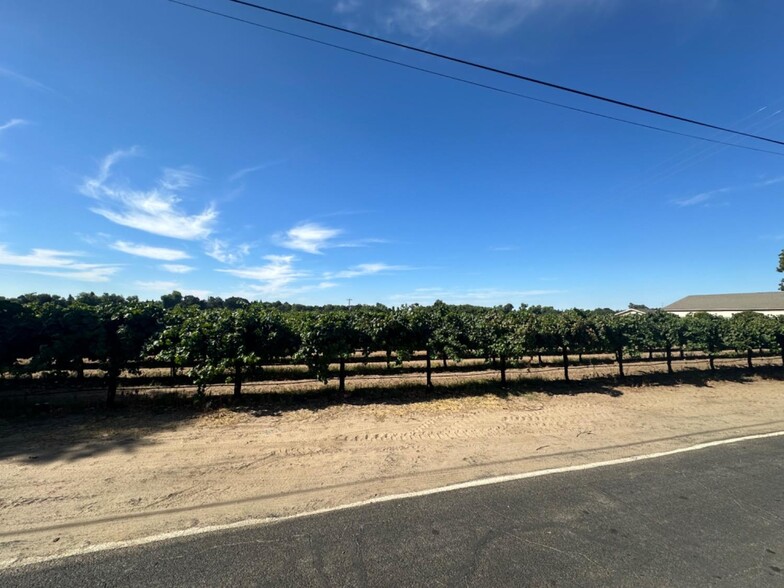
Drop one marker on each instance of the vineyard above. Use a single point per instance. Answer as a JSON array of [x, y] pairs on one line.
[[48, 338]]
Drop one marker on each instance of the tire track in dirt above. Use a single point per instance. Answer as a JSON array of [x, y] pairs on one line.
[[472, 426]]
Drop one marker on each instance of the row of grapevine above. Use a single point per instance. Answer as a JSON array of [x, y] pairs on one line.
[[226, 343]]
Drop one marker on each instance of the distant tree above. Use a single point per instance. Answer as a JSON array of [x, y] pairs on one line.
[[191, 300], [780, 268], [34, 299], [235, 302], [172, 300], [92, 299], [213, 302]]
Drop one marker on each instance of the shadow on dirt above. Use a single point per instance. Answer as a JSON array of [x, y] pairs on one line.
[[82, 428], [80, 432]]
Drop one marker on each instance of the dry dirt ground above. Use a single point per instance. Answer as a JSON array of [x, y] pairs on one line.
[[69, 482]]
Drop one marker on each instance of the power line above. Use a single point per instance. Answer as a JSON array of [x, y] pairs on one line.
[[502, 72], [473, 83], [676, 163]]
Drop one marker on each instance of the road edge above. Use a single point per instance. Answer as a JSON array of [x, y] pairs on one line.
[[192, 531]]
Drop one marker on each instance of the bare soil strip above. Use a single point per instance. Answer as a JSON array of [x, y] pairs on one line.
[[95, 389], [70, 482]]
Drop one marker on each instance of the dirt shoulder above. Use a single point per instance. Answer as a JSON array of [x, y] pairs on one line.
[[66, 483]]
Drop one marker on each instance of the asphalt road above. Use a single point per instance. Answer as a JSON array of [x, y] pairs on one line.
[[713, 517]]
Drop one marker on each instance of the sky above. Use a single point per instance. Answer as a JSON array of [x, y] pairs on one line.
[[147, 147]]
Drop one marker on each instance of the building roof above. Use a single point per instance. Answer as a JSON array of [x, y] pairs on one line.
[[628, 311], [729, 302]]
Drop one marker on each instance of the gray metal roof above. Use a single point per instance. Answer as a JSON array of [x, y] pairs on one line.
[[734, 302]]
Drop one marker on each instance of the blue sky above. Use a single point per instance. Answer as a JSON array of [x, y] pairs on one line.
[[146, 147]]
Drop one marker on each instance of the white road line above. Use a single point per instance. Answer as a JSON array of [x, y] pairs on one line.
[[20, 562]]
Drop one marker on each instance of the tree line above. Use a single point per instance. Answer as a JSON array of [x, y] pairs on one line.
[[228, 341]]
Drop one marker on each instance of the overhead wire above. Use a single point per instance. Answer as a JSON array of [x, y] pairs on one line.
[[696, 153], [472, 82], [688, 152], [702, 154], [500, 71]]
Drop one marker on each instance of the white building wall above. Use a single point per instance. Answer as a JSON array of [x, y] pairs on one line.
[[725, 313]]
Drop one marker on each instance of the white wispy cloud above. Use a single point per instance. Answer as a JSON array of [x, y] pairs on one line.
[[278, 274], [479, 296], [347, 6], [704, 197], [14, 122], [155, 210], [160, 287], [698, 198], [221, 251], [98, 274], [161, 253], [60, 264], [96, 239], [359, 243], [308, 237], [426, 17], [178, 178], [365, 269], [25, 80], [283, 292], [241, 173], [280, 278], [177, 268], [768, 182], [38, 258], [198, 292], [156, 285]]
